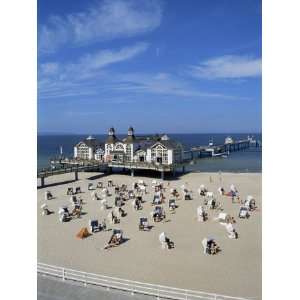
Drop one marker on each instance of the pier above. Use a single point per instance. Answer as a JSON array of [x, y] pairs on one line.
[[189, 157], [217, 150]]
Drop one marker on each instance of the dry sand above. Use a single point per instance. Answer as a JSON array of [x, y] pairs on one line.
[[235, 271]]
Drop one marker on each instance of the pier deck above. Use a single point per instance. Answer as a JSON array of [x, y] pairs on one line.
[[190, 157]]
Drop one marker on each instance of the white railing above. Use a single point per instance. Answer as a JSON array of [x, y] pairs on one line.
[[158, 291]]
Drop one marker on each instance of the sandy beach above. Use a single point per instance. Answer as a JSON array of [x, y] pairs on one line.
[[235, 271]]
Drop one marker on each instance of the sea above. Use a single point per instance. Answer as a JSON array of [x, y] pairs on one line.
[[249, 160]]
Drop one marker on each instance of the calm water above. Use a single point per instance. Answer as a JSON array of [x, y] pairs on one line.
[[242, 161]]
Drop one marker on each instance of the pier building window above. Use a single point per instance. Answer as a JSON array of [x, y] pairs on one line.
[[128, 152], [99, 154], [119, 147], [83, 151], [159, 154]]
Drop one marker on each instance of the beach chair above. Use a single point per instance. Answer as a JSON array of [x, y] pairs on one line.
[[118, 201], [116, 239], [233, 190], [221, 191], [187, 195], [104, 204], [94, 226], [143, 224], [211, 203], [142, 189], [157, 199], [202, 190], [73, 199], [250, 203], [172, 205], [174, 193], [244, 212], [210, 246], [100, 185], [158, 214], [232, 234], [77, 190], [224, 218], [137, 204], [165, 241], [209, 195], [131, 194], [45, 210], [90, 186], [113, 219], [70, 191], [64, 214], [95, 196], [76, 212], [48, 195], [201, 214]]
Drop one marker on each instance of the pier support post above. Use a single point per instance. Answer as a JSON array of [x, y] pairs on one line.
[[76, 175], [162, 173], [183, 169], [42, 181], [132, 172]]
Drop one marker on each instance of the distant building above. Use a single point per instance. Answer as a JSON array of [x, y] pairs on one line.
[[158, 149], [229, 140], [89, 149]]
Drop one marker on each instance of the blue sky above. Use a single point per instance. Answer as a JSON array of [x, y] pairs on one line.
[[160, 66]]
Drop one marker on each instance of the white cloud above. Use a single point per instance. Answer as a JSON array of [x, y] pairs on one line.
[[49, 68], [105, 21], [66, 79], [228, 66], [164, 84]]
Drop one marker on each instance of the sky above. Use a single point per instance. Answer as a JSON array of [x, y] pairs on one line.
[[159, 66]]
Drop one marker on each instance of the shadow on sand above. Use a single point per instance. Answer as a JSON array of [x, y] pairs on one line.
[[56, 183]]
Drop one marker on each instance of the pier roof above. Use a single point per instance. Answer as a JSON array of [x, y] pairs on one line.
[[92, 143]]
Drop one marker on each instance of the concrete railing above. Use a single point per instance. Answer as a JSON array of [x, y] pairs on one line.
[[157, 291]]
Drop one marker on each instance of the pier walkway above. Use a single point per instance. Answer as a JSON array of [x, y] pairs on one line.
[[190, 157]]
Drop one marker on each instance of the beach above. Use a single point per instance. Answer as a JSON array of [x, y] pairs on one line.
[[235, 271]]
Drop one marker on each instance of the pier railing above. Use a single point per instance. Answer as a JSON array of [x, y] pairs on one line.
[[157, 291]]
